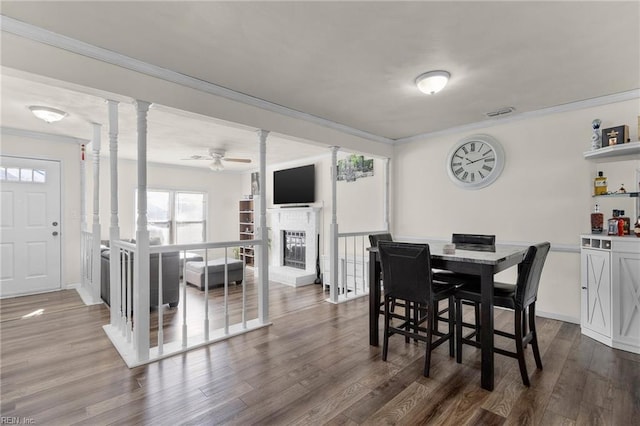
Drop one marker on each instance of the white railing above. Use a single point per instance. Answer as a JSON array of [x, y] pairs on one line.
[[199, 317], [86, 259], [353, 266]]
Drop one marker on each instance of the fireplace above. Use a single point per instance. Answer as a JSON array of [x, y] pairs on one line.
[[294, 249]]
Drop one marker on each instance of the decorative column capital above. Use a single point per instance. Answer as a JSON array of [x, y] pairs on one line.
[[263, 134], [142, 106]]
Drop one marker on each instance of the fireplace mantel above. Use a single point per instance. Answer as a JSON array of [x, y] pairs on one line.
[[305, 219]]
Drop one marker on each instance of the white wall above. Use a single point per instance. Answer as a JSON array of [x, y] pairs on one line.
[[544, 192], [360, 203], [223, 190], [69, 156]]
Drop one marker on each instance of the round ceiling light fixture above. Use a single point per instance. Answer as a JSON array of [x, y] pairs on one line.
[[432, 82], [50, 115]]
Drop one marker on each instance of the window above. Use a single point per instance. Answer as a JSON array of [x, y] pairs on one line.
[[14, 174], [176, 217]]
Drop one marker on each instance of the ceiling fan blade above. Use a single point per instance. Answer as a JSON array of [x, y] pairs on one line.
[[237, 160], [197, 157]]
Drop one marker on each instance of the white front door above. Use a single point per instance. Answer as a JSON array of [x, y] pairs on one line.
[[29, 226]]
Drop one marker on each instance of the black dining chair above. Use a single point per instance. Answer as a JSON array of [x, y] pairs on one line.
[[408, 277], [520, 297], [476, 242]]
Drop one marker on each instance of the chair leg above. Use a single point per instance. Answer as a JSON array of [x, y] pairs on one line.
[[407, 319], [458, 331], [429, 325], [476, 311], [452, 324], [534, 335], [436, 310], [520, 346], [387, 320], [524, 325]]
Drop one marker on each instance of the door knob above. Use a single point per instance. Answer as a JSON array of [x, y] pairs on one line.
[[54, 233], [55, 223]]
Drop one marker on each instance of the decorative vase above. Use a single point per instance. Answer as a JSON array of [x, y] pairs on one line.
[[596, 137]]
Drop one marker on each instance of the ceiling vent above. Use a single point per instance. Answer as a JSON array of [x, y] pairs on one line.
[[499, 112]]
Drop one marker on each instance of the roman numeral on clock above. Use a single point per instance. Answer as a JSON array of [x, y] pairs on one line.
[[458, 171], [487, 168]]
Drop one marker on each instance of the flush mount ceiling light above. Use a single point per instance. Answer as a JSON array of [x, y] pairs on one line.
[[432, 82], [50, 115]]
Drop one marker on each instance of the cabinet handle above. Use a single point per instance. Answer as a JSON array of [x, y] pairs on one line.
[[584, 288]]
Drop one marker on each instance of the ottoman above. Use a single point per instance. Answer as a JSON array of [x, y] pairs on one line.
[[190, 257], [195, 272]]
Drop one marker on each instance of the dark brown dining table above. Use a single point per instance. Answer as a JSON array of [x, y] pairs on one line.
[[484, 264]]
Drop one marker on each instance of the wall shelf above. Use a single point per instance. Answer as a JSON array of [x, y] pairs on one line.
[[626, 151], [619, 194]]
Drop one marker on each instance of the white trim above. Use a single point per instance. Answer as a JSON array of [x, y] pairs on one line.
[[587, 103], [34, 33], [50, 137], [559, 317]]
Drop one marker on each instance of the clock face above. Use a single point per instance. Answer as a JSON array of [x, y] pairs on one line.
[[475, 162]]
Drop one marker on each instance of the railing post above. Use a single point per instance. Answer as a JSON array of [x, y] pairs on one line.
[[263, 235], [95, 256], [333, 228], [114, 229], [385, 219], [141, 269]]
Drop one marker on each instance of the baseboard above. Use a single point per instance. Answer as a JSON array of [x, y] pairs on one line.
[[558, 317]]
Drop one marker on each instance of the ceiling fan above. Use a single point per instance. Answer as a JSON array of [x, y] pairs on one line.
[[217, 156]]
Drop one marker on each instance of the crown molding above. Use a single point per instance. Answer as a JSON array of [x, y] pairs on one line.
[[572, 106], [37, 34], [50, 137]]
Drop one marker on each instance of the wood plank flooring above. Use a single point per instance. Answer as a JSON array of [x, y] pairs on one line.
[[313, 366]]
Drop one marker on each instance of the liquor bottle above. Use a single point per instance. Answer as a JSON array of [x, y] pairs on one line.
[[626, 224], [597, 220], [600, 184], [612, 223]]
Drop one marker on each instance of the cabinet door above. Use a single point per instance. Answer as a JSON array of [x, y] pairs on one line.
[[596, 291], [626, 297]]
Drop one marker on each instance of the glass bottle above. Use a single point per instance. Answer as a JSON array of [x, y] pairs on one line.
[[626, 224], [612, 224], [600, 184], [597, 220]]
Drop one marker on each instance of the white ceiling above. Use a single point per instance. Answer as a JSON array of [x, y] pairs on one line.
[[353, 63]]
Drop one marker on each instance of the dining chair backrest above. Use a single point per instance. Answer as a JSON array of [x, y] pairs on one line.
[[407, 270], [529, 272], [474, 241], [374, 238]]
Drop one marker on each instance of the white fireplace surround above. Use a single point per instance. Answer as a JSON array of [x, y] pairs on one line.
[[305, 219]]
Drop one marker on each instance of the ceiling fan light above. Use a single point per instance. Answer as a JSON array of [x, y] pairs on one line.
[[50, 115], [216, 165], [432, 82]]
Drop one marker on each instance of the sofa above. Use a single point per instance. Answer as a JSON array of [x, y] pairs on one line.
[[170, 278]]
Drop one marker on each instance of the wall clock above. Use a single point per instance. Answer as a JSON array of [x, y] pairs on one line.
[[475, 162]]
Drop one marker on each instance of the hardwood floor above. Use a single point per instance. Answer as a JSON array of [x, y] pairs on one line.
[[313, 366]]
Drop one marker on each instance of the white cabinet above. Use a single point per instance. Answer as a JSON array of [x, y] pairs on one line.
[[625, 268], [610, 281]]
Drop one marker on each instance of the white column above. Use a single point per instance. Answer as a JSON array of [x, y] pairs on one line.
[[114, 229], [83, 187], [84, 250], [263, 234], [386, 195], [333, 228], [141, 268], [95, 267]]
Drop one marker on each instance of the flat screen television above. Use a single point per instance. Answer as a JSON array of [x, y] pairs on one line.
[[295, 186]]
